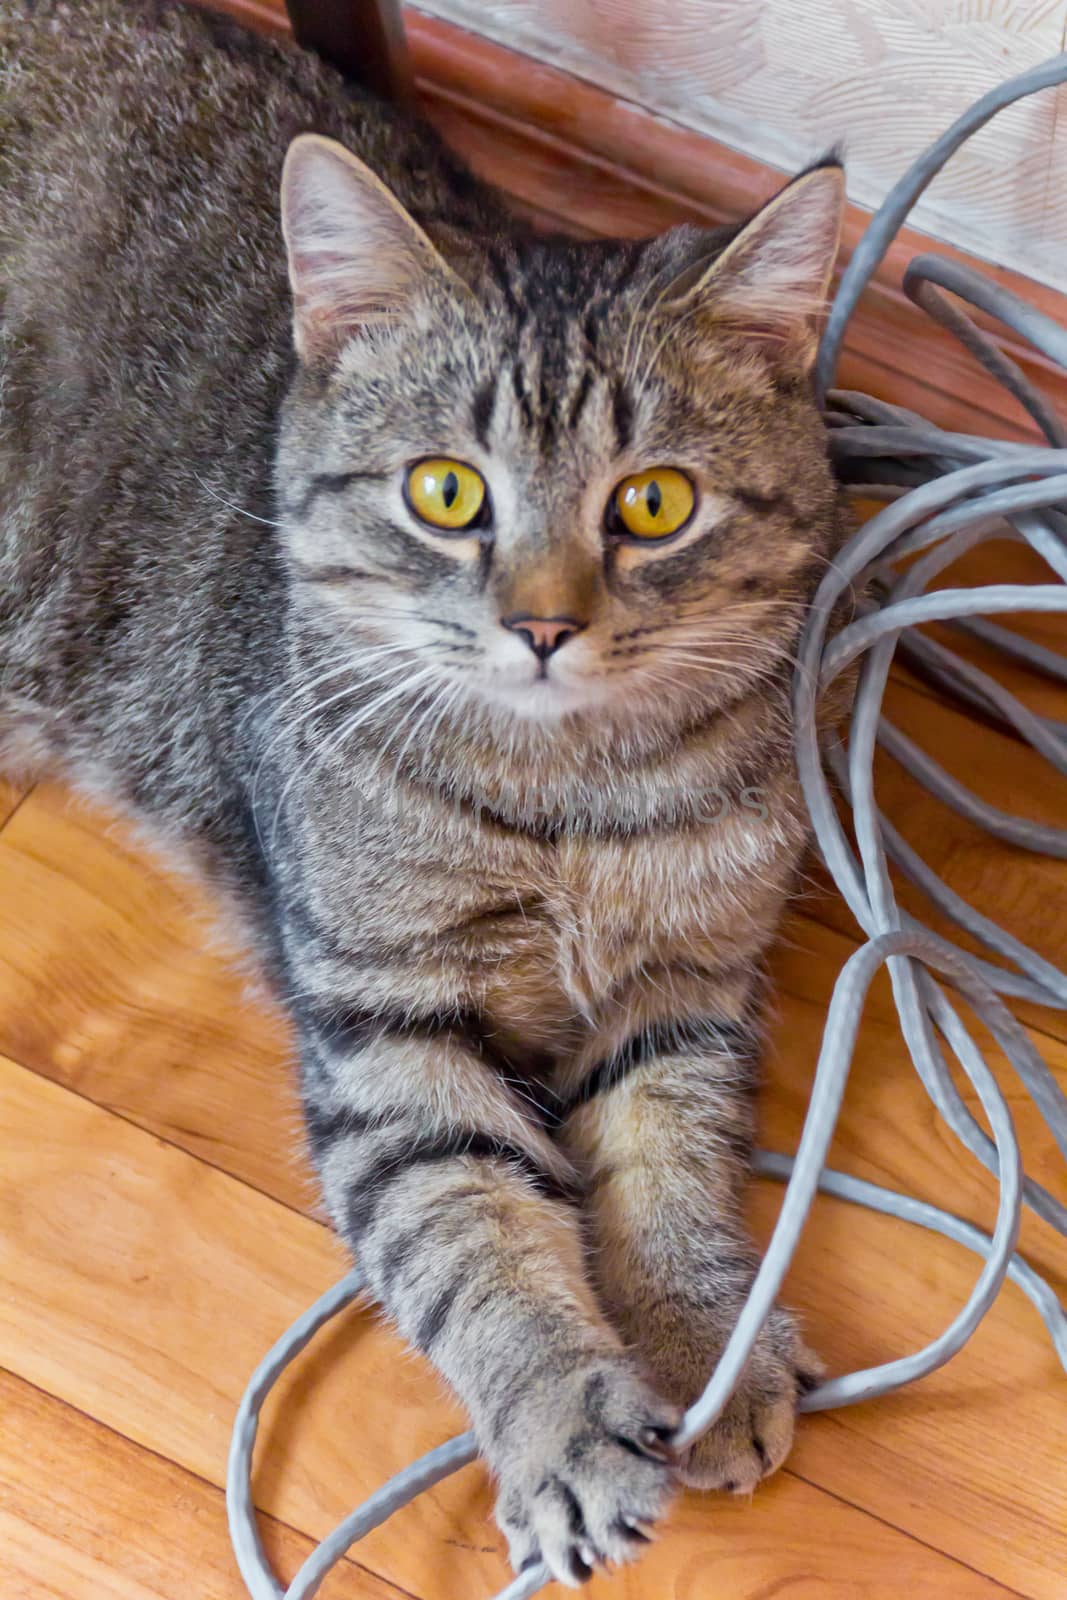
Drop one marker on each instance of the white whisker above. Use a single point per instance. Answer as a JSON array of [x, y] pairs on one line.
[[231, 505], [357, 720], [287, 729]]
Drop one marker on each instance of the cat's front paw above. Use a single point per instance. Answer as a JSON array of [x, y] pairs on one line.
[[751, 1438], [585, 1470]]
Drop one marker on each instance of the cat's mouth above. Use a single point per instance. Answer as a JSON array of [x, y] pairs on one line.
[[544, 696]]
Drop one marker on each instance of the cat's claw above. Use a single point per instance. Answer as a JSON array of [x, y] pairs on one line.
[[589, 1476]]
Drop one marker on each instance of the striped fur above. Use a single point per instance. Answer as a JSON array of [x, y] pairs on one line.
[[519, 916]]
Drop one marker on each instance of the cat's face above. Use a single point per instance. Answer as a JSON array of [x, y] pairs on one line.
[[576, 482]]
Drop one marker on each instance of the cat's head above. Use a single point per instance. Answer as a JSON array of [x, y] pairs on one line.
[[555, 480]]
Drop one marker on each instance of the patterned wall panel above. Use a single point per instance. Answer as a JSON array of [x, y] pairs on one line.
[[783, 79]]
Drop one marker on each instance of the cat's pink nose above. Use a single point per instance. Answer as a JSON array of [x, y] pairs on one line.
[[544, 635]]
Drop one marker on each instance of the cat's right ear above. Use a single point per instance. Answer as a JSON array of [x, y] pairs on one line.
[[355, 256]]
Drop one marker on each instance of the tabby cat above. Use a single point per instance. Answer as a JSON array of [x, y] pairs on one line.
[[431, 587]]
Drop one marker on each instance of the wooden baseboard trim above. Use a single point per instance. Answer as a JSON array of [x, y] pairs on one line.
[[572, 154]]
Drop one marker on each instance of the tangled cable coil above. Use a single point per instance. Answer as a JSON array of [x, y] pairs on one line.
[[944, 494]]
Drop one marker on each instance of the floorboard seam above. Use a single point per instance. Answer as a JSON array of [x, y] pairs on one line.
[[17, 805], [1018, 1594], [198, 1477], [302, 1533], [170, 1143]]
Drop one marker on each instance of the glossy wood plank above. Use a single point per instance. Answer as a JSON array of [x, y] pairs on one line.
[[265, 16], [83, 1512], [113, 981], [937, 1458], [140, 1286]]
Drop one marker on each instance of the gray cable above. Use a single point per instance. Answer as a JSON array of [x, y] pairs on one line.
[[890, 216], [240, 1509], [944, 493], [843, 1186], [399, 1491]]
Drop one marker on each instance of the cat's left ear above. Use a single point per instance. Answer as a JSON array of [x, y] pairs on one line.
[[772, 280], [355, 256]]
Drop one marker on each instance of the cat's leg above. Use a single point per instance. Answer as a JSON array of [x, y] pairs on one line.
[[662, 1125], [462, 1213]]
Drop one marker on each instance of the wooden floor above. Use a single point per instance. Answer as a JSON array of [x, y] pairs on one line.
[[158, 1230]]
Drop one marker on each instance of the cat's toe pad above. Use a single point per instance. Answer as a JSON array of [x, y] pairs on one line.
[[753, 1435]]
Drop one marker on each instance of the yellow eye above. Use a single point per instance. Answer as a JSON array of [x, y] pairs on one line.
[[654, 503], [446, 494]]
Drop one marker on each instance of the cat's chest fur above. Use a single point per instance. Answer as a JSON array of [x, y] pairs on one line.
[[548, 935]]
